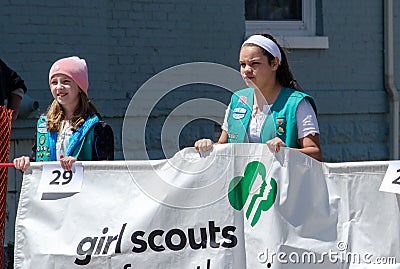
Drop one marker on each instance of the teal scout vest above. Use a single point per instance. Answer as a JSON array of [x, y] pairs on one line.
[[80, 143], [280, 123]]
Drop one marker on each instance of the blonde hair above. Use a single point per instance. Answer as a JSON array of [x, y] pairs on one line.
[[55, 114]]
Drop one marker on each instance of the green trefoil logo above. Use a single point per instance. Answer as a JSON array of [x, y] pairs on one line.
[[240, 187]]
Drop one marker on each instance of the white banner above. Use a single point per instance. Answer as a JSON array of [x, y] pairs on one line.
[[240, 207]]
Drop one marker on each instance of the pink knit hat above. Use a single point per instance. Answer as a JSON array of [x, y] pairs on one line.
[[75, 68]]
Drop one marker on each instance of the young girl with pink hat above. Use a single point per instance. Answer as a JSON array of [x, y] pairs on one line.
[[72, 129]]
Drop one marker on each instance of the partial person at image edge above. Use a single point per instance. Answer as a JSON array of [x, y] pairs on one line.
[[12, 88]]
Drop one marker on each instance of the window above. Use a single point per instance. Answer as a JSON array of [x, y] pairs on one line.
[[292, 22], [284, 10]]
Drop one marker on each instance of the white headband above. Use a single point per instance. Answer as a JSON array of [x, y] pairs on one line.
[[266, 44]]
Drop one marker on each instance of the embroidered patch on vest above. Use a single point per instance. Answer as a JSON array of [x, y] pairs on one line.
[[42, 127], [239, 113], [42, 139], [233, 136], [280, 125]]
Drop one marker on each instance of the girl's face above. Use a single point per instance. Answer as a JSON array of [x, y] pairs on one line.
[[255, 68], [65, 91]]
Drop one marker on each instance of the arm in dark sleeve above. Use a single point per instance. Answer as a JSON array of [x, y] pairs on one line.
[[13, 80], [103, 147], [12, 88]]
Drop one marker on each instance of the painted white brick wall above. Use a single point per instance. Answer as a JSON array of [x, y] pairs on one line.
[[124, 43]]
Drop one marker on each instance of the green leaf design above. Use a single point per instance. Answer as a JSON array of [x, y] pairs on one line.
[[240, 187]]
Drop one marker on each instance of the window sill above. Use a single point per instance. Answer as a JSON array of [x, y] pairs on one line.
[[303, 42]]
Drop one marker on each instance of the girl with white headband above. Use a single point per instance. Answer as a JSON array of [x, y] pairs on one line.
[[72, 129], [273, 110]]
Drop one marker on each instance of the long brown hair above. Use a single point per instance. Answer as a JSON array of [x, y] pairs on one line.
[[283, 73], [55, 113]]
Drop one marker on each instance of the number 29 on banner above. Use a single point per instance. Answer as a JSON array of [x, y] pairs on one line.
[[391, 181], [54, 179]]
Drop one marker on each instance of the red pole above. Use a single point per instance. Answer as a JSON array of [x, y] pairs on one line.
[[6, 164], [5, 135]]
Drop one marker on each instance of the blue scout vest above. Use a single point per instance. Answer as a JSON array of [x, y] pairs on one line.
[[281, 124], [79, 146]]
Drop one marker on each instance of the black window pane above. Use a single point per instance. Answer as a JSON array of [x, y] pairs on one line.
[[272, 10]]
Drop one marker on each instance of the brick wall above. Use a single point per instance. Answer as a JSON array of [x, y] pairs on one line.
[[347, 81], [125, 43]]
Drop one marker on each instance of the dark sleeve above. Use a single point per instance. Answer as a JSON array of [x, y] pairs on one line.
[[13, 80], [103, 147]]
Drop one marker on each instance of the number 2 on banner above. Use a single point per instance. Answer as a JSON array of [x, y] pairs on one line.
[[396, 181], [66, 175], [391, 181], [56, 180]]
